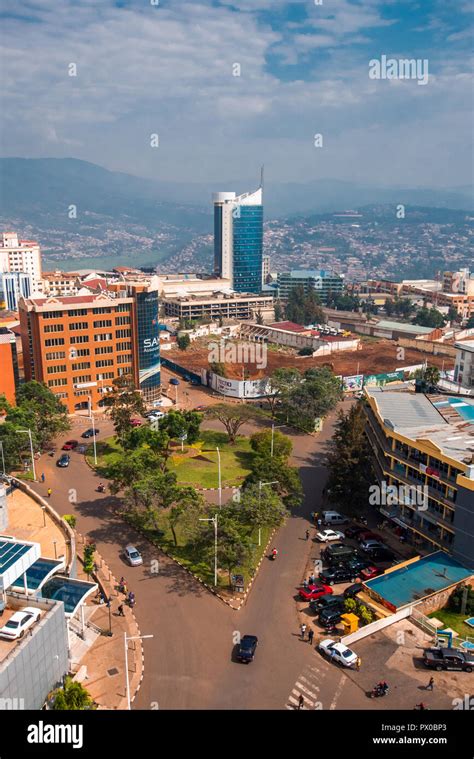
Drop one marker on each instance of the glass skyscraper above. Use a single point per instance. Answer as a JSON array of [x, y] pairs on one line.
[[238, 239]]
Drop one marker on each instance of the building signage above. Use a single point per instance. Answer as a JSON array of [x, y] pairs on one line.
[[383, 379], [148, 340], [353, 383]]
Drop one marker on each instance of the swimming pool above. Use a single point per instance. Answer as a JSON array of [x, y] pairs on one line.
[[419, 579], [465, 408]]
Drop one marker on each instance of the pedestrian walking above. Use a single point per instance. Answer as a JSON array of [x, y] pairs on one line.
[[43, 477], [430, 685], [120, 610], [358, 663], [305, 584], [303, 630], [319, 524], [310, 636], [307, 534], [300, 701], [124, 588], [49, 492], [312, 579]]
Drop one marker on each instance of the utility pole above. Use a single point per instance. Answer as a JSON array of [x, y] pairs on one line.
[[214, 522], [28, 432]]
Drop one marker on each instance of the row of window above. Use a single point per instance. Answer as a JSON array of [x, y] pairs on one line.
[[120, 321]]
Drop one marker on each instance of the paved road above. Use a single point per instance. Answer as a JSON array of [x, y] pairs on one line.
[[188, 663]]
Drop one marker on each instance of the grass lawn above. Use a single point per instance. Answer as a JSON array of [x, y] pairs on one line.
[[107, 452], [201, 469], [454, 621]]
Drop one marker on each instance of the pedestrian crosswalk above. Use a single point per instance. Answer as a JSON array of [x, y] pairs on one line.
[[311, 692]]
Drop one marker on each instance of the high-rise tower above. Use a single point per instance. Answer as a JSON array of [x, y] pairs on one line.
[[238, 239]]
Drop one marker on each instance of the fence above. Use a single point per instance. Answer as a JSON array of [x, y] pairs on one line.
[[429, 626], [181, 370]]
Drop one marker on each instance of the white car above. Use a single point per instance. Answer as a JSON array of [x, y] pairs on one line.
[[133, 556], [327, 535], [156, 416], [19, 622], [338, 652]]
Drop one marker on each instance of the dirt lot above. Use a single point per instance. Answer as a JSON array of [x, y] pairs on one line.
[[373, 357]]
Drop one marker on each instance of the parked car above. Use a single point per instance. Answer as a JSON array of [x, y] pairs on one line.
[[368, 535], [326, 602], [133, 556], [186, 378], [63, 460], [155, 416], [355, 564], [448, 658], [337, 553], [136, 422], [90, 433], [333, 517], [334, 575], [354, 531], [369, 572], [314, 591], [382, 554], [353, 590], [325, 536], [19, 622], [370, 544], [195, 382], [70, 445], [248, 646], [338, 652], [331, 616]]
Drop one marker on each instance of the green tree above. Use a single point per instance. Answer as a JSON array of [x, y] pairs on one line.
[[311, 399], [130, 466], [186, 512], [234, 416], [72, 696], [266, 469], [15, 445], [234, 547], [261, 506], [183, 342], [123, 402], [470, 322], [38, 409], [88, 564], [430, 374], [281, 383], [349, 463], [279, 313], [429, 317], [261, 443], [70, 519]]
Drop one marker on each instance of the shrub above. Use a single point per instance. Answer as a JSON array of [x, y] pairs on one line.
[[70, 519]]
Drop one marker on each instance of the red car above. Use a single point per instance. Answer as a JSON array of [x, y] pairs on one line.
[[367, 574], [69, 445], [314, 591], [135, 423]]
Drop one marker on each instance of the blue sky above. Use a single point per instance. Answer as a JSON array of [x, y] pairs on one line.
[[168, 69]]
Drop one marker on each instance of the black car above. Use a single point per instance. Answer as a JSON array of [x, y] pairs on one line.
[[247, 648], [448, 658], [337, 574], [90, 433], [326, 602], [63, 460], [356, 564], [380, 554], [331, 616], [354, 531], [353, 590]]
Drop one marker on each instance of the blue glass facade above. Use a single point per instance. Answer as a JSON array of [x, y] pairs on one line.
[[218, 240], [148, 344], [247, 248]]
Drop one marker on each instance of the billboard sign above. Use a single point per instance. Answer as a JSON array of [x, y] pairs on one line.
[[353, 383], [148, 340], [382, 379]]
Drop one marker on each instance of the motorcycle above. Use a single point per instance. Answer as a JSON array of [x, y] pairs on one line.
[[378, 691], [273, 556], [100, 488]]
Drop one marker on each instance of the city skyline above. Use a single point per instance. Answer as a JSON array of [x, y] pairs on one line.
[[225, 86]]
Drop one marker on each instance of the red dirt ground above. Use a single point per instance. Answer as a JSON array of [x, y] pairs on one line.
[[373, 357]]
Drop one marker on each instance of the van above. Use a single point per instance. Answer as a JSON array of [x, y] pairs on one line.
[[338, 553], [333, 517]]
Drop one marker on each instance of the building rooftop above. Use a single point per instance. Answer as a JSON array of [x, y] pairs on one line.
[[288, 326], [414, 416], [415, 329]]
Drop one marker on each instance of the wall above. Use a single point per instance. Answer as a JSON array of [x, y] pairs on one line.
[[376, 626], [39, 661], [427, 346]]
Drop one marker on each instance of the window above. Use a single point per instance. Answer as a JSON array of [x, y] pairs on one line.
[[53, 328], [123, 307], [102, 323], [61, 395], [105, 375], [56, 369], [78, 312], [54, 341], [104, 362], [102, 337], [119, 320], [124, 346], [75, 339], [81, 365], [123, 333], [81, 378], [77, 352], [126, 358], [104, 349], [52, 314], [78, 325], [55, 355], [102, 310], [57, 382]]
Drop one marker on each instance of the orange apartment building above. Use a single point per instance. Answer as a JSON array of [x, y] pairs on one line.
[[9, 376], [78, 344]]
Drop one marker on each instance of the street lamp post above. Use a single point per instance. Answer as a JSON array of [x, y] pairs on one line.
[[93, 429], [125, 640], [260, 485], [28, 432], [214, 522], [3, 457], [273, 435], [219, 475]]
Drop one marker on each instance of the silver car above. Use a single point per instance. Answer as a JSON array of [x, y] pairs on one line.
[[133, 556]]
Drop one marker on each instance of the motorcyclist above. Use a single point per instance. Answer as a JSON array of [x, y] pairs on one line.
[[101, 487], [274, 553]]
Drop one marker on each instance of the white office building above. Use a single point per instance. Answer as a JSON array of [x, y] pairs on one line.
[[21, 256]]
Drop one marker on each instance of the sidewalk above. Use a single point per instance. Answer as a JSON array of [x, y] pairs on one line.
[[28, 521], [105, 660]]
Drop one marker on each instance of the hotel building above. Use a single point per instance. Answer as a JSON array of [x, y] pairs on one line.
[[425, 443], [21, 256]]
